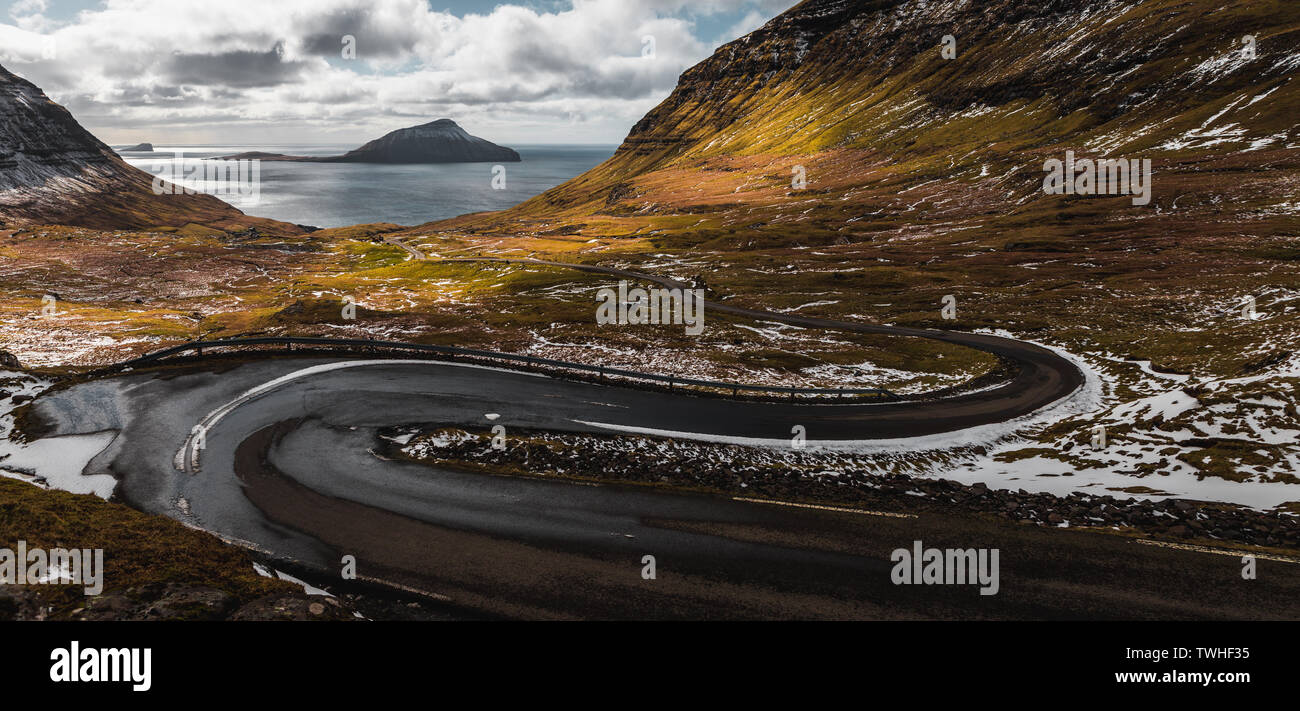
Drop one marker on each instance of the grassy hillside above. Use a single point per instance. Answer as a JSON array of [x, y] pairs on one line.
[[154, 568]]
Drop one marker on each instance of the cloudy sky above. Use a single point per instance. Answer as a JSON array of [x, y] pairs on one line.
[[275, 71]]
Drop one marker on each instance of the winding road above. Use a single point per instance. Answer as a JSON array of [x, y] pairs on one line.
[[290, 462]]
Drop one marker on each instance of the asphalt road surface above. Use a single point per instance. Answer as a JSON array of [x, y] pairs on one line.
[[288, 463]]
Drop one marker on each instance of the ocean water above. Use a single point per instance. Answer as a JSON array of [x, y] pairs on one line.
[[340, 194]]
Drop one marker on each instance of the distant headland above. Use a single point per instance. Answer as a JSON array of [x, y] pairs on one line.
[[440, 141]]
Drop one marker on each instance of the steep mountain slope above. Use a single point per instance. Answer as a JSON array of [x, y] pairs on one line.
[[862, 97], [1110, 76], [53, 171]]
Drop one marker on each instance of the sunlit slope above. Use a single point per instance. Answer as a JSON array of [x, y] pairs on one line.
[[861, 95]]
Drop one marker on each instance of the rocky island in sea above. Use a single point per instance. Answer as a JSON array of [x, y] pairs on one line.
[[440, 141]]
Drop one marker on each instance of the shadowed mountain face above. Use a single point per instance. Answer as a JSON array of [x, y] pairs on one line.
[[863, 97], [53, 171]]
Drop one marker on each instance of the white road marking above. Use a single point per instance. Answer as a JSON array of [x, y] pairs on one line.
[[864, 512], [1216, 551]]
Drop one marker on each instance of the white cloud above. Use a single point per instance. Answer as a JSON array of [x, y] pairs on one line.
[[259, 70], [29, 14]]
